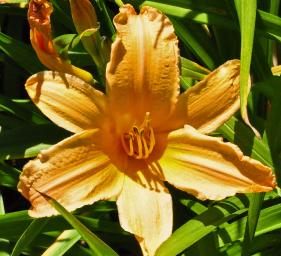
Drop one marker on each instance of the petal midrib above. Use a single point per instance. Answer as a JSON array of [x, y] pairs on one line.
[[141, 56]]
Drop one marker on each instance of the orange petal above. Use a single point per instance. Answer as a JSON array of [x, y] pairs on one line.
[[75, 172], [39, 13], [211, 102], [67, 100], [143, 75], [209, 168], [145, 209]]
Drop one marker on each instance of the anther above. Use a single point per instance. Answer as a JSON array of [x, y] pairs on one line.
[[140, 141], [145, 147], [127, 142]]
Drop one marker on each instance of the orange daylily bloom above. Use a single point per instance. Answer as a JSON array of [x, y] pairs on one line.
[[139, 134], [39, 13]]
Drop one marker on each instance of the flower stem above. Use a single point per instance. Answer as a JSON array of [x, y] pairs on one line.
[[119, 3]]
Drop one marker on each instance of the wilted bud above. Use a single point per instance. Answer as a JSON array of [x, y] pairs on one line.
[[86, 24], [39, 13]]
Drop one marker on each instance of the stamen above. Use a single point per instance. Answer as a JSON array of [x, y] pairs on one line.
[[140, 141], [138, 152], [146, 151], [151, 140], [128, 148]]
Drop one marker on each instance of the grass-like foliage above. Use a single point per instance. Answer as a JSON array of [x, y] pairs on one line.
[[210, 32]]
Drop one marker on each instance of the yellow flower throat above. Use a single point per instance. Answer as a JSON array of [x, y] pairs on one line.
[[139, 141]]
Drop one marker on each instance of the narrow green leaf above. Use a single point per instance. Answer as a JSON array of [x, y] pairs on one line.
[[247, 18], [18, 220], [97, 246], [4, 243], [200, 226], [62, 14], [196, 12], [272, 90], [269, 220], [186, 82], [192, 43], [8, 176], [194, 206], [21, 53], [108, 20], [256, 201], [33, 230], [238, 133], [2, 207], [63, 243], [8, 121], [193, 70], [189, 64], [22, 109], [205, 246], [215, 13], [27, 141], [16, 2]]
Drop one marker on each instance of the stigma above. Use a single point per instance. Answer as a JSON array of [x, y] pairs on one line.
[[139, 141]]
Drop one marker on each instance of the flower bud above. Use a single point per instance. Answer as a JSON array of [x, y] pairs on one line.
[[39, 13], [85, 19]]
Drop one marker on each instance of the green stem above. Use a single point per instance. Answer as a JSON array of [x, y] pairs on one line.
[[119, 3]]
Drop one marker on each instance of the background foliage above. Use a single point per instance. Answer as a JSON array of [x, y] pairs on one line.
[[210, 33]]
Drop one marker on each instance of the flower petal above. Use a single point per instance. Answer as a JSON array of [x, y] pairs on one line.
[[75, 172], [209, 168], [67, 100], [39, 13], [211, 102], [143, 75], [145, 209]]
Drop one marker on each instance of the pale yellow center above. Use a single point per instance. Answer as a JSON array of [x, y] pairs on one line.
[[139, 141]]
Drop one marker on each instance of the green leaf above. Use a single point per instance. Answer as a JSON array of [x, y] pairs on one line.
[[238, 133], [16, 2], [193, 70], [22, 109], [2, 207], [255, 206], [29, 234], [9, 121], [201, 13], [4, 244], [9, 176], [20, 53], [97, 246], [62, 14], [216, 13], [19, 221], [191, 41], [27, 141], [200, 226], [63, 243], [86, 33], [186, 82], [272, 90], [107, 18], [269, 220], [247, 16]]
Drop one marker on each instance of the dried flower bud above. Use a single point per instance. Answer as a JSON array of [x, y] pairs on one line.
[[39, 14]]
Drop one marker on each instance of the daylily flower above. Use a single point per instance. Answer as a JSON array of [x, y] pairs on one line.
[[139, 134], [39, 13]]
